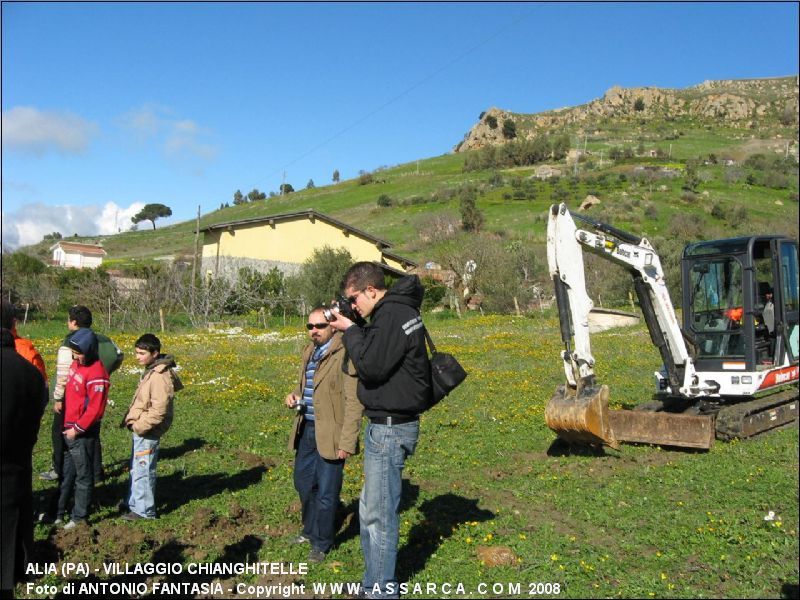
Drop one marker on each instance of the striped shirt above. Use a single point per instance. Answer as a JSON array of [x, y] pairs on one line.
[[311, 368]]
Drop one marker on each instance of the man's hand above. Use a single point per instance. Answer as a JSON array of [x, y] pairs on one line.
[[71, 434], [291, 400], [58, 406], [343, 454], [340, 323]]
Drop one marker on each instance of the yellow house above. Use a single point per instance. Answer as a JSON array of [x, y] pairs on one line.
[[286, 241]]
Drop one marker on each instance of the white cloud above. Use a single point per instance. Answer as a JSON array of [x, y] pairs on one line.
[[29, 225], [145, 121], [29, 129], [181, 139]]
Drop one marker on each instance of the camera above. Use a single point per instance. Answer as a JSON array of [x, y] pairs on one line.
[[342, 307]]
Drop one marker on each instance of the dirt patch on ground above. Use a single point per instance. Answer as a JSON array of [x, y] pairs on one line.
[[254, 460], [235, 535]]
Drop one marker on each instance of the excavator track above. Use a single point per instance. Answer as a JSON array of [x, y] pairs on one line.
[[746, 419], [681, 423]]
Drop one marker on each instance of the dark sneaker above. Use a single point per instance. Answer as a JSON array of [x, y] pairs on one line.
[[300, 539], [316, 556], [50, 475]]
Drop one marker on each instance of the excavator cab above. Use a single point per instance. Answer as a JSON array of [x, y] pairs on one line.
[[740, 303], [729, 372]]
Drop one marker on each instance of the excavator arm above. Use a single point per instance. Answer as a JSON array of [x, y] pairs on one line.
[[578, 411]]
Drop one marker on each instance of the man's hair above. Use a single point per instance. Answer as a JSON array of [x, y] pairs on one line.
[[9, 313], [149, 342], [362, 275], [319, 308], [81, 315]]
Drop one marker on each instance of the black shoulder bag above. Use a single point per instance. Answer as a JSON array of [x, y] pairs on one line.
[[446, 373]]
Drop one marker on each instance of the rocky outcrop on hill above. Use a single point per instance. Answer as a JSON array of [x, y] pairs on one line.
[[735, 103]]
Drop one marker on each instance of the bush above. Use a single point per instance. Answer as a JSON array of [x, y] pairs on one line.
[[686, 227], [688, 196], [471, 215], [717, 211], [737, 216], [321, 275], [509, 129], [435, 291], [496, 179], [384, 200]]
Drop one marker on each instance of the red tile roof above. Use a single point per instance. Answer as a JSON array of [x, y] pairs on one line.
[[73, 247]]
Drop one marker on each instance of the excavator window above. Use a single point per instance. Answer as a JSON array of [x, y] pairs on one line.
[[789, 294], [764, 306], [717, 306]]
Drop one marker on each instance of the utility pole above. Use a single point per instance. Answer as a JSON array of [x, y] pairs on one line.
[[283, 184], [577, 155], [194, 260], [670, 151]]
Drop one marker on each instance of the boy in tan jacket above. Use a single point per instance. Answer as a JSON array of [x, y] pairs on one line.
[[148, 418]]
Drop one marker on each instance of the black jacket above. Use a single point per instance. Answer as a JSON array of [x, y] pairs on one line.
[[394, 373], [24, 395]]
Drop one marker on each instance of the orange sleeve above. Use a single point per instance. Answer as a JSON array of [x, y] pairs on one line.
[[28, 351]]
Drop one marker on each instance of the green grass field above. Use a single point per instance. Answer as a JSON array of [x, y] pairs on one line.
[[484, 504]]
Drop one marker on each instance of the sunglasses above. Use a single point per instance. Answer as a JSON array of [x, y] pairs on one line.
[[352, 299], [311, 326]]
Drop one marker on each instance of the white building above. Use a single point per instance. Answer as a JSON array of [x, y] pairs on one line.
[[77, 256]]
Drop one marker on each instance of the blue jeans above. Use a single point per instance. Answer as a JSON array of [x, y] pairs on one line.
[[142, 497], [318, 481], [386, 448], [77, 476]]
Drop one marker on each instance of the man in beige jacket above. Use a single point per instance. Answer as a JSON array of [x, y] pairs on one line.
[[148, 418], [325, 431]]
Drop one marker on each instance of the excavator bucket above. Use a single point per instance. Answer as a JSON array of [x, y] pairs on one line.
[[581, 418]]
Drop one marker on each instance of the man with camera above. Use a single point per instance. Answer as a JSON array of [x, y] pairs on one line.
[[394, 385], [325, 431]]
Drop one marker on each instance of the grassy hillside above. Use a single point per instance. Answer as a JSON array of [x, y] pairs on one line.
[[634, 191]]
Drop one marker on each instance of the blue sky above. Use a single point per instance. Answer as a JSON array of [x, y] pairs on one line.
[[108, 106]]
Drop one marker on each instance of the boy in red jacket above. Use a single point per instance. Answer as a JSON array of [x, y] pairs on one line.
[[85, 399]]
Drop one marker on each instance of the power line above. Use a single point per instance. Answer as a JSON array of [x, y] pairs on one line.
[[407, 91]]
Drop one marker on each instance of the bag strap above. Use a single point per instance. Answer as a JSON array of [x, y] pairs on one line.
[[431, 345], [430, 341]]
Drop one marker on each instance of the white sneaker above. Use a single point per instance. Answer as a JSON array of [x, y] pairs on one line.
[[70, 525], [58, 521], [50, 475]]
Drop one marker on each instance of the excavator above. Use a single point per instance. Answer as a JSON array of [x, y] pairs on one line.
[[730, 366]]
